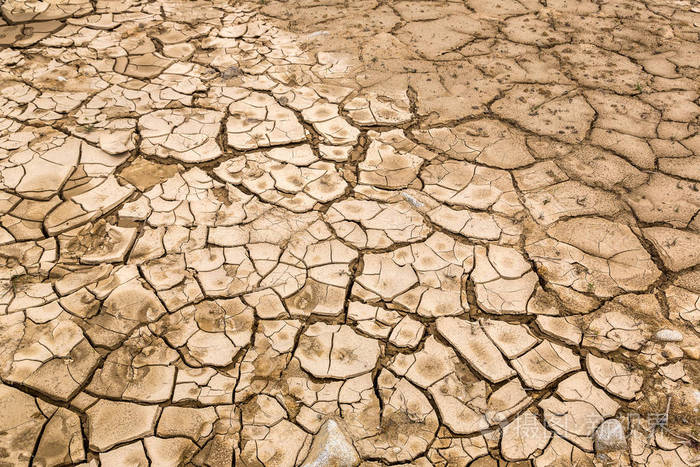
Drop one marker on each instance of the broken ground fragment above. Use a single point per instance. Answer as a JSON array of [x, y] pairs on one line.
[[593, 67], [193, 197], [188, 135], [330, 125], [545, 364], [407, 333], [210, 333], [439, 265], [373, 320], [408, 422], [386, 278], [98, 163], [109, 119], [529, 29], [474, 224], [194, 423], [268, 437], [504, 280], [565, 328], [332, 351], [224, 445], [443, 96], [166, 272], [19, 11], [614, 377], [97, 243], [610, 330], [24, 220], [601, 169], [133, 452], [523, 437], [462, 407], [61, 440], [463, 400], [36, 107], [317, 400], [324, 265], [369, 224], [133, 421], [292, 178], [665, 199], [624, 114], [677, 248], [25, 35], [489, 142], [54, 358], [392, 160], [169, 451], [267, 304], [264, 362], [20, 425], [141, 370], [69, 279], [684, 303], [205, 386], [594, 255], [469, 339], [561, 452], [147, 65], [372, 108], [555, 110], [569, 198], [427, 366], [458, 183], [511, 339], [27, 258], [39, 168], [576, 410], [451, 450], [87, 206], [257, 120], [125, 307]]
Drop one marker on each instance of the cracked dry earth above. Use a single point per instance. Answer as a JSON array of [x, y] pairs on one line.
[[372, 232]]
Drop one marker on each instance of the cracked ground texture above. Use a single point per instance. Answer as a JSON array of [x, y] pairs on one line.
[[341, 233]]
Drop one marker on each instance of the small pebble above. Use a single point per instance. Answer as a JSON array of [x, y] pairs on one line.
[[412, 200], [669, 335]]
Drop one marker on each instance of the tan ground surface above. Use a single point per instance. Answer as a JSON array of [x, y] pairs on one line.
[[331, 233]]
